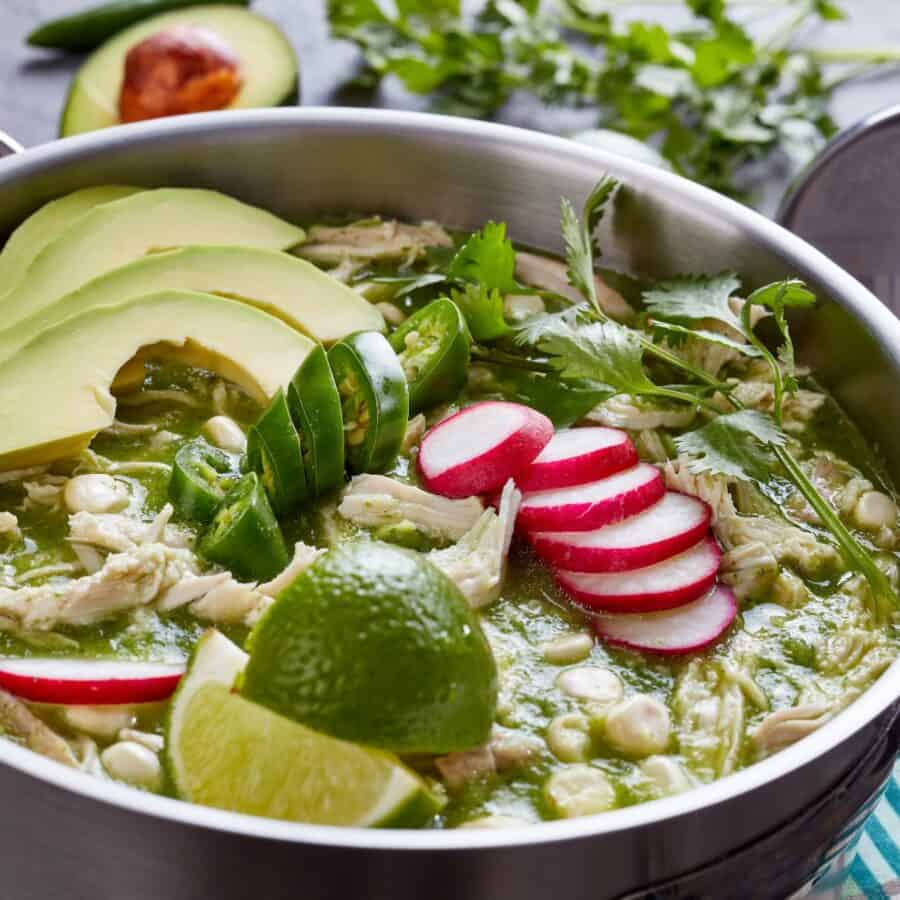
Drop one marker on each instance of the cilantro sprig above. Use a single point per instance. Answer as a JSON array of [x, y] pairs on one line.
[[721, 103], [744, 444]]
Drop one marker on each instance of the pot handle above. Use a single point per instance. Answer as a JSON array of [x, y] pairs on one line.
[[9, 145]]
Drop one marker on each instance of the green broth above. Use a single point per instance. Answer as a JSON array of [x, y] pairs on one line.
[[787, 653]]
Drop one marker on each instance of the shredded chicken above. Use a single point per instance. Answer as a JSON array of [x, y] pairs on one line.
[[783, 727], [459, 769], [624, 411], [750, 569], [789, 544], [799, 406], [650, 446], [46, 493], [9, 527], [231, 602], [709, 718], [119, 428], [127, 580], [415, 429], [115, 533], [219, 598], [713, 357], [477, 562], [21, 474], [711, 489], [17, 720], [550, 275], [304, 557], [371, 240], [375, 500]]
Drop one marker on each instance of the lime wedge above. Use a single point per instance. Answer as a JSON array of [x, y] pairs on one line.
[[228, 752], [375, 645]]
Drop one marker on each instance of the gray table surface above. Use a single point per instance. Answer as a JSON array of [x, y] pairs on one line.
[[33, 82]]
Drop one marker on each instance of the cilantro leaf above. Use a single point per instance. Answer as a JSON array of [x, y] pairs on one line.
[[487, 258], [602, 352], [483, 311], [781, 294], [737, 445], [690, 298], [676, 333], [777, 297], [578, 236], [563, 402], [727, 113]]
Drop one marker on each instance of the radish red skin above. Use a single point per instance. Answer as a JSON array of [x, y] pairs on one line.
[[588, 466], [651, 601], [572, 558], [491, 469], [588, 515], [84, 691], [721, 608]]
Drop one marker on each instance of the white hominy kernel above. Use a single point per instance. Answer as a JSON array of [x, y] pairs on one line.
[[590, 683], [225, 433], [95, 493], [579, 790], [638, 726], [133, 763], [667, 775], [103, 722], [569, 739], [874, 510], [568, 648]]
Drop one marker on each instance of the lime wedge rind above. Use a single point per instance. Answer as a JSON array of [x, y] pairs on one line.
[[225, 751]]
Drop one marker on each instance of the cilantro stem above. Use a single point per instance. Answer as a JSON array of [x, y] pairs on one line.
[[879, 57], [494, 357], [777, 374], [681, 397], [884, 597]]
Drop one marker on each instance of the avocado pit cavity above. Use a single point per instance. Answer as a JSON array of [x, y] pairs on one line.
[[183, 69]]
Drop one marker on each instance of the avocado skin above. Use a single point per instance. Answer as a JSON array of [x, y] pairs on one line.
[[89, 29]]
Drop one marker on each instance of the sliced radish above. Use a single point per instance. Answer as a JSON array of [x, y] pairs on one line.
[[481, 447], [584, 507], [672, 525], [89, 681], [578, 455], [688, 629], [672, 582]]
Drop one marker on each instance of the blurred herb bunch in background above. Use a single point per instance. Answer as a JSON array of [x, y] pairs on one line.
[[714, 97]]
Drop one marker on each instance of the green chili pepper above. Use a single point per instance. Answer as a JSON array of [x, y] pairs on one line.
[[315, 406], [433, 346], [274, 451], [244, 535], [91, 27], [200, 476], [374, 400]]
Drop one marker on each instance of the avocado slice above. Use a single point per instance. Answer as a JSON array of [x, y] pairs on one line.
[[268, 64], [119, 232], [55, 392], [287, 287], [48, 223]]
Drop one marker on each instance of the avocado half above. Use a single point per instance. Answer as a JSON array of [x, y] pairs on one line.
[[55, 393], [268, 65]]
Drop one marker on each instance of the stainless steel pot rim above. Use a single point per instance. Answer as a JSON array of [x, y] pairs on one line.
[[835, 147], [879, 321]]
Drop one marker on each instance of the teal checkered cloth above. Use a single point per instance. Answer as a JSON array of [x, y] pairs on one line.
[[875, 872]]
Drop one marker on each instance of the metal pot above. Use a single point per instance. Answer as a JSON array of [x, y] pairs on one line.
[[64, 834]]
